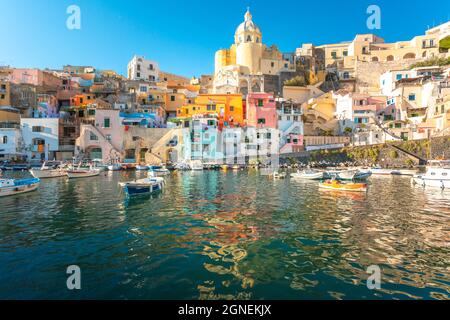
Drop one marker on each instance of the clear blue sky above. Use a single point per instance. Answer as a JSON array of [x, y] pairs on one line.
[[184, 35]]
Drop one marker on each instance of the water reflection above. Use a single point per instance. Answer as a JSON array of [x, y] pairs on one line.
[[215, 235]]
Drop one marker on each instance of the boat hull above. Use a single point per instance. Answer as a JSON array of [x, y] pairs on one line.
[[47, 174], [354, 187], [20, 187], [308, 176], [434, 183], [82, 174], [143, 186]]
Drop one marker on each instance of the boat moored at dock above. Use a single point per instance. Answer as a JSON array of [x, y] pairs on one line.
[[437, 175], [148, 185], [308, 175], [343, 186], [9, 187], [46, 172]]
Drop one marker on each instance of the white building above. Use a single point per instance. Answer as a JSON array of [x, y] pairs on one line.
[[141, 69], [344, 110], [40, 137], [10, 142], [389, 78]]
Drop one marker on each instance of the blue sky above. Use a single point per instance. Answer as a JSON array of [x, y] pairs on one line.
[[184, 35]]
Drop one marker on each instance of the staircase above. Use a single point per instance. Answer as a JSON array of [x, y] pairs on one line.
[[412, 156], [385, 130]]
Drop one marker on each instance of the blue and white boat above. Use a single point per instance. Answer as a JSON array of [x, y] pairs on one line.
[[148, 185], [140, 167], [159, 171], [9, 187]]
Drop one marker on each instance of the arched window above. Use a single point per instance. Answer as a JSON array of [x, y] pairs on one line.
[[409, 56], [249, 38], [390, 58], [5, 139], [257, 40], [424, 54], [374, 59]]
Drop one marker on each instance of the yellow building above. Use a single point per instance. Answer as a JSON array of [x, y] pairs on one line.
[[240, 68], [5, 93], [228, 107]]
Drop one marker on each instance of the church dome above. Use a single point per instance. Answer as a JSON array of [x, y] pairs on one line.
[[248, 25]]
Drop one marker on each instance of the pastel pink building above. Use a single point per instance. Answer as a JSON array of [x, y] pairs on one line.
[[261, 111]]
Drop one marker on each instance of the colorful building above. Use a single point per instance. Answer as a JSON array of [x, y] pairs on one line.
[[261, 110]]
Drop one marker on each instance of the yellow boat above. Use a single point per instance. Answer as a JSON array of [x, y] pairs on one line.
[[337, 185]]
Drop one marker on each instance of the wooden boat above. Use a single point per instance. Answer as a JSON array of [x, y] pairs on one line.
[[9, 187], [45, 172], [308, 175], [348, 186], [82, 173], [147, 185]]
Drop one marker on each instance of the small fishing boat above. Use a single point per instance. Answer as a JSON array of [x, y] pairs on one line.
[[142, 167], [404, 172], [437, 175], [343, 186], [115, 167], [278, 175], [354, 174], [308, 175], [159, 171], [147, 185], [378, 171], [46, 172], [9, 187], [83, 173], [196, 165]]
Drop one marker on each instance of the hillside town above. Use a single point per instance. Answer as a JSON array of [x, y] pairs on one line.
[[258, 102]]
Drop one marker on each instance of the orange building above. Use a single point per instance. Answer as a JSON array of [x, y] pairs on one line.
[[82, 100], [228, 107]]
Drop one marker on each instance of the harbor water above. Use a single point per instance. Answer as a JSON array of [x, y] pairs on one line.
[[225, 235]]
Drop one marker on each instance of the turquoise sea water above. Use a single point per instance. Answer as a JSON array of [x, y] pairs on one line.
[[233, 235]]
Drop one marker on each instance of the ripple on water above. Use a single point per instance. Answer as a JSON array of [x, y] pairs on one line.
[[215, 235]]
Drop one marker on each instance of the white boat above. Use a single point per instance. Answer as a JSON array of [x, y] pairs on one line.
[[437, 175], [159, 171], [45, 172], [308, 175], [196, 165], [404, 172], [83, 173], [115, 167], [142, 167], [9, 187], [147, 185], [377, 171], [278, 175]]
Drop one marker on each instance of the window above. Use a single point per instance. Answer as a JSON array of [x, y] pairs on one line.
[[249, 39], [399, 77], [272, 64], [262, 121], [92, 136], [5, 139], [172, 98], [260, 102], [91, 112], [138, 74], [2, 96], [106, 123], [286, 65], [108, 137], [37, 129], [3, 87], [231, 108], [295, 118], [268, 135], [143, 89], [412, 97], [345, 53], [139, 67], [334, 55], [151, 67]]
